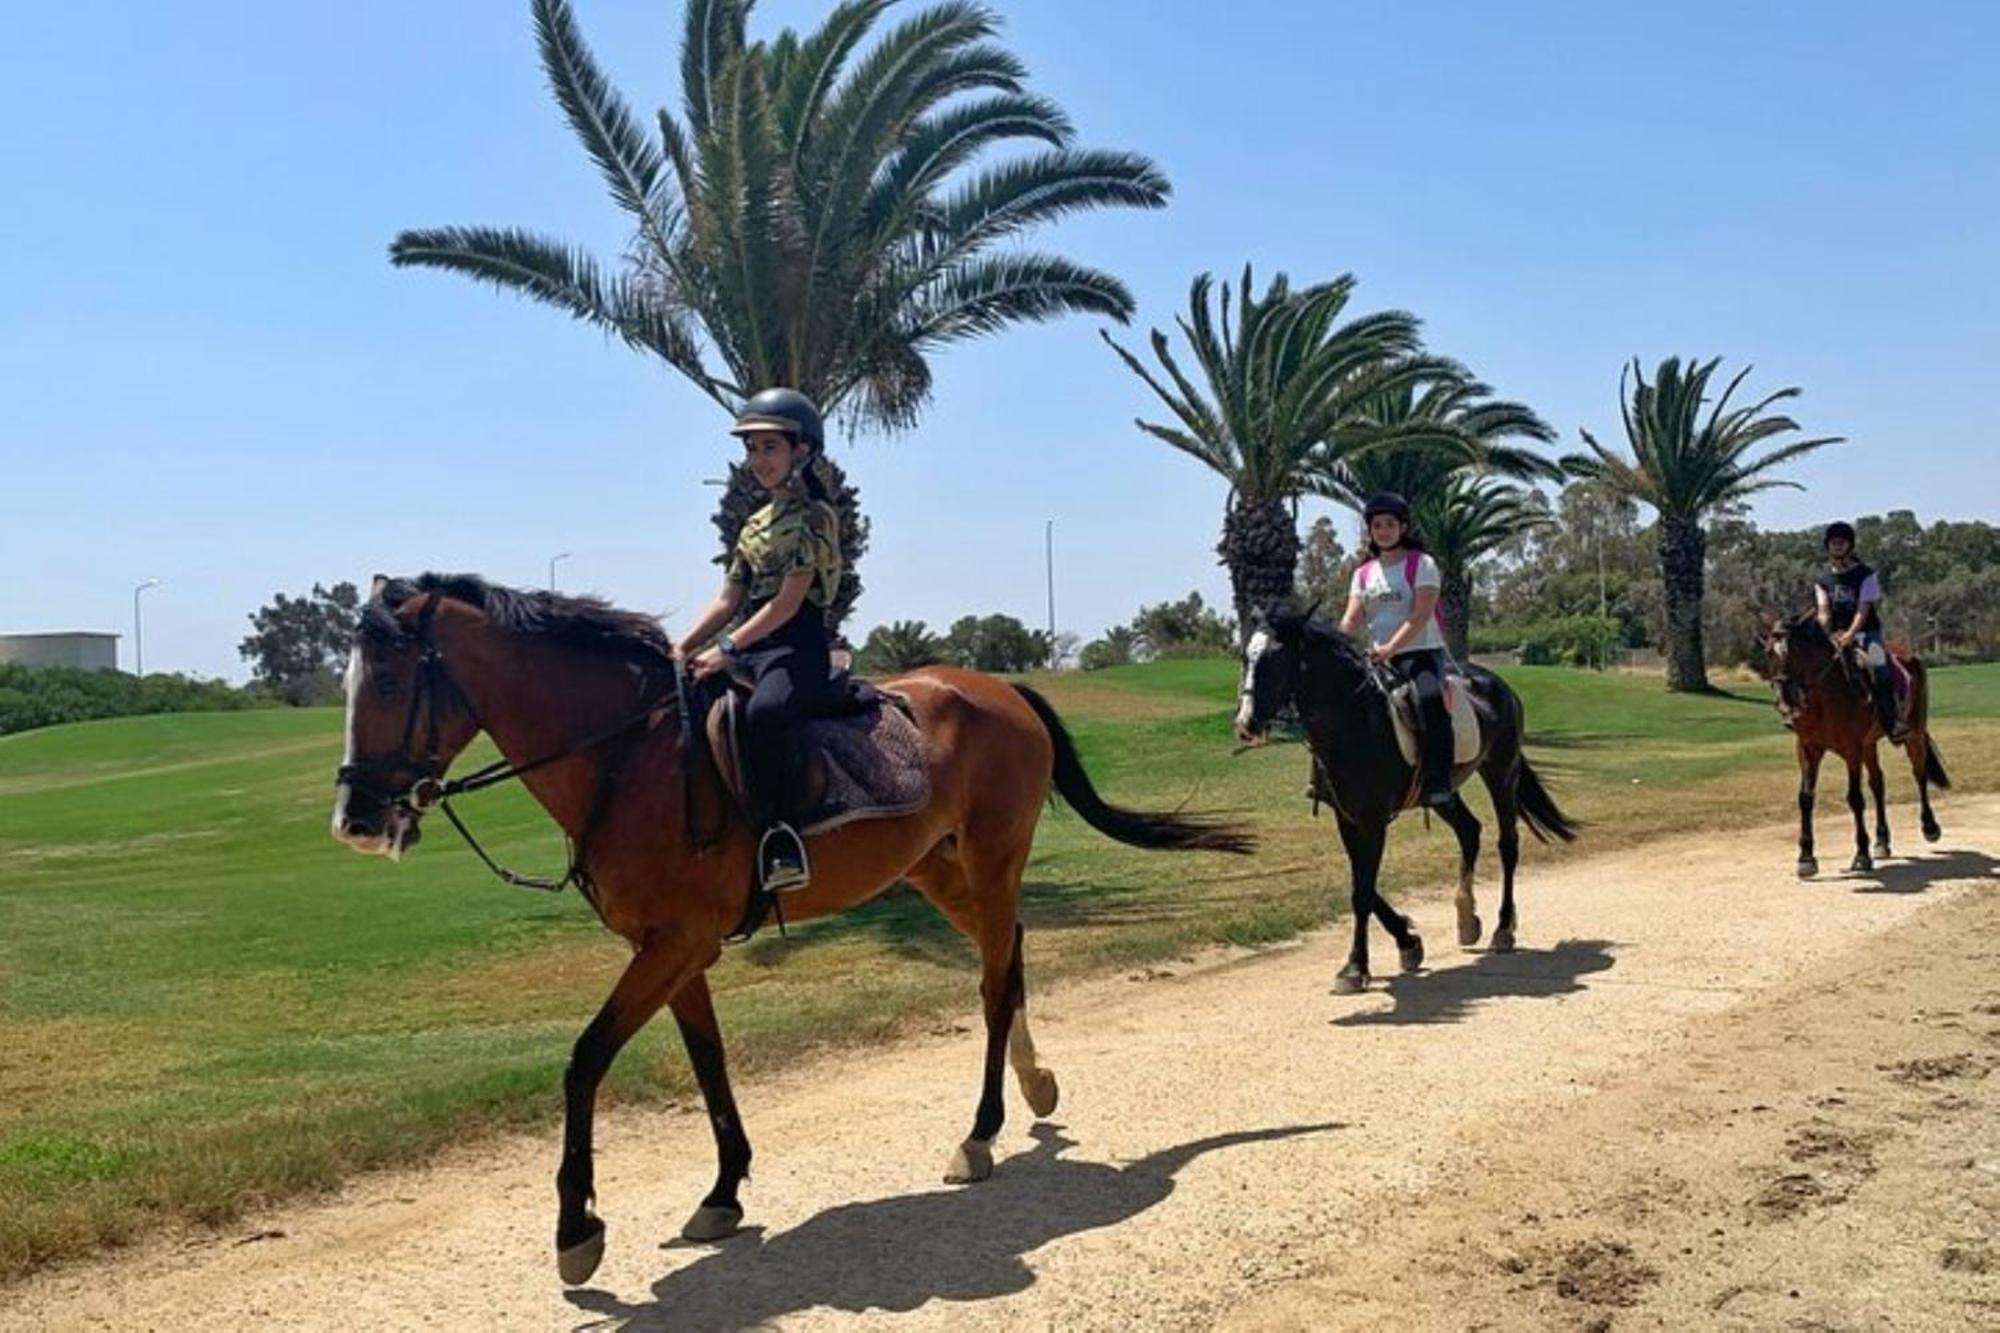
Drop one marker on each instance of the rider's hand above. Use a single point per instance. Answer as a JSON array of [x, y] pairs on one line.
[[709, 663], [1378, 653]]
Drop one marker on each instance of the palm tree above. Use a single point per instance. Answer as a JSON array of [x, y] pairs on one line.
[[1442, 445], [1686, 468], [819, 215], [902, 645], [1287, 384]]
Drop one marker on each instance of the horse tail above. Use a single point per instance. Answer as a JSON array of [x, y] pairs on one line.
[[1135, 828], [1934, 767], [1544, 817]]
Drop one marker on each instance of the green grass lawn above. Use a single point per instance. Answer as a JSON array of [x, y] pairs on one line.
[[206, 1003]]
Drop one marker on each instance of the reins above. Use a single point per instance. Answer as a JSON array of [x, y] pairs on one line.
[[434, 682]]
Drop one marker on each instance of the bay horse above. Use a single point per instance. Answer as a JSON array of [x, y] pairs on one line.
[[588, 709], [1294, 659], [1830, 712]]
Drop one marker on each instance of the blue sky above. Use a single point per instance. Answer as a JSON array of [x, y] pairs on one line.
[[209, 374]]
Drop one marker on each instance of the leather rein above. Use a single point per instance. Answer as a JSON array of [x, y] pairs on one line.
[[435, 686]]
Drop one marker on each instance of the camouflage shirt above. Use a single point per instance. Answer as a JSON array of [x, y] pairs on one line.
[[790, 535]]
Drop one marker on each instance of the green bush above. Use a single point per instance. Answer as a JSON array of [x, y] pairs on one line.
[[1578, 641], [33, 697]]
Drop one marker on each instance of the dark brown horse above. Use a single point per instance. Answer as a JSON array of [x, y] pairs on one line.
[[1825, 697], [583, 700]]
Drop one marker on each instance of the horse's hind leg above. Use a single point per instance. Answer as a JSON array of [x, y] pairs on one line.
[[1875, 788], [1859, 807], [1466, 825], [1809, 760], [720, 1212], [1919, 750]]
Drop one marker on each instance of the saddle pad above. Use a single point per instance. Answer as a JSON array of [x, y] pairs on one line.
[[864, 765], [1464, 722]]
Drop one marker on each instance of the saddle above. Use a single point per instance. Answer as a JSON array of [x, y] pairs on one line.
[[1464, 723], [863, 759]]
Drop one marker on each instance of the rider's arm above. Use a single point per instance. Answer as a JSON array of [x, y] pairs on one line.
[[1825, 609], [713, 617], [780, 609]]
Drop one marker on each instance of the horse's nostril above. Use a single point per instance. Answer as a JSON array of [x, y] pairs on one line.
[[356, 829]]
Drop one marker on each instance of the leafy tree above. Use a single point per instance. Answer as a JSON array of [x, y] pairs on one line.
[[995, 643], [1686, 467], [901, 646], [824, 213], [1287, 385], [1119, 647], [33, 697], [1323, 567], [1186, 628], [297, 644]]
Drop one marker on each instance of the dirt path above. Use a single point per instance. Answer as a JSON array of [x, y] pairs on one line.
[[1700, 1088]]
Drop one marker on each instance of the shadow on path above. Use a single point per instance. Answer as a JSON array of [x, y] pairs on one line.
[[1449, 994], [1919, 873], [901, 1253]]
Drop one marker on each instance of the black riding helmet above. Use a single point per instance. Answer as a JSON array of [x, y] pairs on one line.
[[1387, 502], [785, 410], [1842, 529]]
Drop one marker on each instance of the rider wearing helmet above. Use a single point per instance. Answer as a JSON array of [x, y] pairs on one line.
[[783, 572], [1850, 601], [1396, 594]]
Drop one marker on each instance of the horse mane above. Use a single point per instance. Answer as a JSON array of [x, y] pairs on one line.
[[574, 622], [1288, 622], [1805, 628]]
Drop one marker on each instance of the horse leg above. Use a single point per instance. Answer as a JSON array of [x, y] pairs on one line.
[[1038, 1085], [1466, 825], [1809, 761], [1364, 854], [1859, 806], [1876, 789], [1918, 748], [1507, 810], [656, 971], [720, 1212]]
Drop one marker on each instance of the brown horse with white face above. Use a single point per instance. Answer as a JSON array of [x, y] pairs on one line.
[[585, 705], [1827, 703]]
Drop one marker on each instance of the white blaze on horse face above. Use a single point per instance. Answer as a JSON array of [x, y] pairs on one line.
[[1247, 696], [380, 844]]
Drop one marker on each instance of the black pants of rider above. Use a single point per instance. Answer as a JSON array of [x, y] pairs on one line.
[[1876, 654], [791, 686], [1425, 669]]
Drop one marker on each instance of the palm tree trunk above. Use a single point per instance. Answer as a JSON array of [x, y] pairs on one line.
[[1260, 546], [1683, 550], [1455, 600]]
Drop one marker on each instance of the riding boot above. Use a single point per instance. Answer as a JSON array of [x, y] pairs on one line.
[[1886, 709]]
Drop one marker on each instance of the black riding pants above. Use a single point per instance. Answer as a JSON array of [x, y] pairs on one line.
[[1425, 668], [792, 685]]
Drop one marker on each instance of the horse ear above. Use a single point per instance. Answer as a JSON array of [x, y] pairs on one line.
[[375, 587]]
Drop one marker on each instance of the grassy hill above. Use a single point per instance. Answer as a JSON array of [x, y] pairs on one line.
[[204, 1002]]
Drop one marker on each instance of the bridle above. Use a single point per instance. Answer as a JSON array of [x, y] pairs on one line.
[[435, 687]]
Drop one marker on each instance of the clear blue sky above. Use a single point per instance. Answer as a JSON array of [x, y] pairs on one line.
[[209, 373]]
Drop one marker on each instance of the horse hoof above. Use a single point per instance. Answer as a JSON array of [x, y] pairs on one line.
[[1808, 867], [1042, 1094], [1861, 864], [1350, 980], [1882, 850], [712, 1222], [1503, 940], [1932, 832], [1470, 930], [1412, 957], [973, 1161], [577, 1262]]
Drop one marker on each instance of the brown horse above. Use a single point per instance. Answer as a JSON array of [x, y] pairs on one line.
[[585, 705], [1827, 700]]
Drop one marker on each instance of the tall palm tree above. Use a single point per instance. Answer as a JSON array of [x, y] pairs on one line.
[[1686, 467], [1287, 385], [1442, 445], [823, 213]]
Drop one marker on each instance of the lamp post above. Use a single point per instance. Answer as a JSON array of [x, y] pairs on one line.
[[1049, 563], [552, 568], [138, 630]]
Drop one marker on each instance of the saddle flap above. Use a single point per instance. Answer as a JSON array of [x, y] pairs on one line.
[[1464, 721], [865, 761]]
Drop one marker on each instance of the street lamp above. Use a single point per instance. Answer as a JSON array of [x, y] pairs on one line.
[[1049, 563], [138, 631], [552, 568]]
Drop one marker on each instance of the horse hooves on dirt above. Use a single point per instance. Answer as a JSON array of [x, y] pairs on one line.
[[1932, 831], [1042, 1094], [1503, 940], [1470, 931], [972, 1161], [577, 1262], [1808, 867], [1412, 956], [1882, 851], [1350, 980], [712, 1223], [1861, 864]]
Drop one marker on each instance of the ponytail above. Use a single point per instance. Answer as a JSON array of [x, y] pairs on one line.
[[815, 488]]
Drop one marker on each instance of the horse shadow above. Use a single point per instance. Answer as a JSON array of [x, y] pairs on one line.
[[1919, 873], [1448, 995], [901, 1253]]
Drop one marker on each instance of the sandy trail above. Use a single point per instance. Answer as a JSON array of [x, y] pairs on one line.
[[1462, 1148]]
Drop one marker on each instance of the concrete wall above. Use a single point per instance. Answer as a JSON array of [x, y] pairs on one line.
[[92, 652]]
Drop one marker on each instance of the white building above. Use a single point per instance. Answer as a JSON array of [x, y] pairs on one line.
[[71, 648]]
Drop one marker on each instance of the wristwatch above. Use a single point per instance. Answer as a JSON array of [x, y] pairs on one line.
[[726, 646]]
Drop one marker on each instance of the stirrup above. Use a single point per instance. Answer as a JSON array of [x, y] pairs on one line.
[[787, 875]]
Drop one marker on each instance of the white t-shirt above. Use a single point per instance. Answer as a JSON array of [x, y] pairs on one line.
[[1387, 598]]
